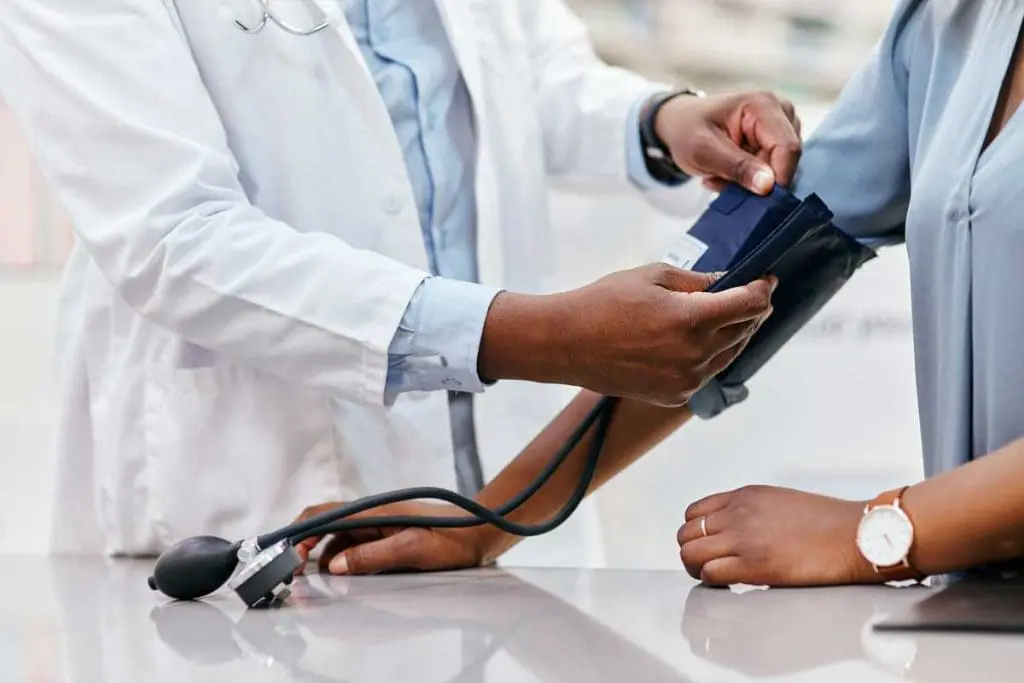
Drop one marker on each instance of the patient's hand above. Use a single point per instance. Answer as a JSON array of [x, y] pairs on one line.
[[763, 535]]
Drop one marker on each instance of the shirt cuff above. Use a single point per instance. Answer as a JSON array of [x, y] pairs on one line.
[[437, 342], [636, 164]]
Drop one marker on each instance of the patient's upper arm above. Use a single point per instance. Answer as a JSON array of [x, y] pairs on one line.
[[858, 159]]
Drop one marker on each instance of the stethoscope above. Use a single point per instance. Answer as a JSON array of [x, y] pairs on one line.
[[267, 16]]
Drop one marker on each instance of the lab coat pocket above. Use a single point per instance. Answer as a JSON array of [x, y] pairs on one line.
[[231, 451]]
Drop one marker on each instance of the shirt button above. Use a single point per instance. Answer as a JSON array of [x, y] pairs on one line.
[[393, 205]]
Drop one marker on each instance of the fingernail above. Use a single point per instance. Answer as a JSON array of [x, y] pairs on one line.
[[764, 180], [339, 565]]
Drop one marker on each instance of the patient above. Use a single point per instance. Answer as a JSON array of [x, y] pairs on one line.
[[925, 144]]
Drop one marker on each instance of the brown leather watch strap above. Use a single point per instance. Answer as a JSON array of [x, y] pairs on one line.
[[904, 571]]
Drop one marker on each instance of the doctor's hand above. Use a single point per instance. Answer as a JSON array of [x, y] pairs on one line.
[[651, 334], [393, 549], [752, 138]]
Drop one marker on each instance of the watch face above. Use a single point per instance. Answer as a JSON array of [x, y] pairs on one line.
[[885, 536]]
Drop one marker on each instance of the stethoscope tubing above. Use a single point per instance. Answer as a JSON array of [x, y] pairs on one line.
[[335, 520]]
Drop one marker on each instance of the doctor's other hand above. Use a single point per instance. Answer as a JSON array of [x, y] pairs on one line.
[[393, 549], [750, 138], [651, 333]]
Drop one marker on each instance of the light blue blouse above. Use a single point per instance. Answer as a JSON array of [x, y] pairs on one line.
[[900, 157]]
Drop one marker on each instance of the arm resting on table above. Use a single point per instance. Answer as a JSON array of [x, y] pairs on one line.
[[970, 516]]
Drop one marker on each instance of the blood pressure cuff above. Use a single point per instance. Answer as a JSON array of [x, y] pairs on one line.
[[747, 236]]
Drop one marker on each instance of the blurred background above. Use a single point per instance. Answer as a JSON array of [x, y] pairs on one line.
[[834, 412]]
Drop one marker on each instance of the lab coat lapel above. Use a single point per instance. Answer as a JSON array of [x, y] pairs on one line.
[[339, 28], [355, 76], [458, 22]]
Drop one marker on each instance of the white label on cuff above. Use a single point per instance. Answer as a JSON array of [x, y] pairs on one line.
[[686, 251]]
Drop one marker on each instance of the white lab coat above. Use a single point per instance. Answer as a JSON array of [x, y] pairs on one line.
[[248, 242]]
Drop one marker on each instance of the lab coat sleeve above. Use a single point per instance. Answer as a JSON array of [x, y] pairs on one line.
[[589, 112], [858, 159], [583, 104], [129, 139]]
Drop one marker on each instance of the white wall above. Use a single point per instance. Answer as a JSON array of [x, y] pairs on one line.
[[26, 324], [811, 45]]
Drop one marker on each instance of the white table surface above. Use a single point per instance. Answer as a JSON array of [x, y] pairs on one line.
[[96, 621]]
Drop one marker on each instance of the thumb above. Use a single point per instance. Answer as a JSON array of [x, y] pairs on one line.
[[686, 281], [387, 554], [727, 160]]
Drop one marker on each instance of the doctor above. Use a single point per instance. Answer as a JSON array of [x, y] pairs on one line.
[[301, 226]]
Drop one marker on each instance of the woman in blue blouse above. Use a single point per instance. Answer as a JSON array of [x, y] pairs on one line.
[[925, 145]]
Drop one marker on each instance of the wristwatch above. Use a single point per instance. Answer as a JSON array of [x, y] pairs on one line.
[[657, 156], [885, 537]]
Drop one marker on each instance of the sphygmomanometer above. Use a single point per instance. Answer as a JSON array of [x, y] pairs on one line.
[[743, 235]]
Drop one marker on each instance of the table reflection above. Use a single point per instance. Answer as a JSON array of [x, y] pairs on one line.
[[779, 633], [456, 628], [92, 621]]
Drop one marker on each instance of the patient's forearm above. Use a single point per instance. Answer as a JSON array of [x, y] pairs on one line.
[[970, 516], [635, 429]]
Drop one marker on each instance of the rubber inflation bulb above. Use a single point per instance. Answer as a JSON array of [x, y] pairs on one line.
[[194, 568]]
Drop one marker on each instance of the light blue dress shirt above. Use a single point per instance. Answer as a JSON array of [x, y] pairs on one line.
[[407, 49]]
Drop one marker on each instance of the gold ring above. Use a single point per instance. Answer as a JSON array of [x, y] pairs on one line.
[[704, 525]]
